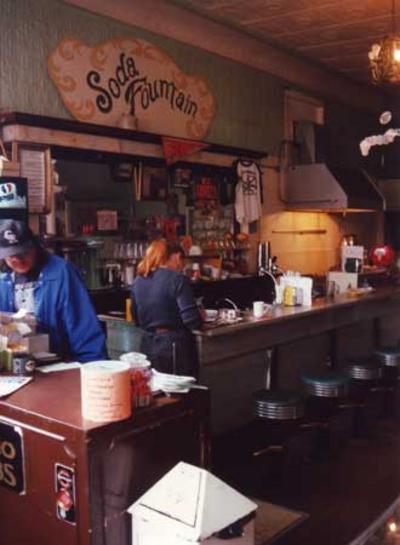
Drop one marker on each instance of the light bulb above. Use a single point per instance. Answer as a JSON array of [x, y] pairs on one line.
[[396, 54], [392, 527]]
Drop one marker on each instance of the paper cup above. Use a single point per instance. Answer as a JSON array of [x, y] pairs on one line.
[[106, 391]]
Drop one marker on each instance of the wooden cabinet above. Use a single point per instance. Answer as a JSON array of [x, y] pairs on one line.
[[110, 465]]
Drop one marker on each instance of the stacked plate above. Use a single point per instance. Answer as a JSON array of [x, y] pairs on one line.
[[278, 405], [171, 384]]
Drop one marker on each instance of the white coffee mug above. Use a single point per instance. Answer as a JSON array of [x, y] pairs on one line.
[[259, 309]]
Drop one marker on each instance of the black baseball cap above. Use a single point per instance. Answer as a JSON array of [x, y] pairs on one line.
[[15, 238]]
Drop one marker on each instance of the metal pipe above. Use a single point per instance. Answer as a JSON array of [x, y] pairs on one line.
[[174, 358]]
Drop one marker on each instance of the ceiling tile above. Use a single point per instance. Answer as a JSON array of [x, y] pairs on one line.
[[322, 30]]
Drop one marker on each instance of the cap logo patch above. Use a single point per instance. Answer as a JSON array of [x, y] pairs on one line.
[[10, 237]]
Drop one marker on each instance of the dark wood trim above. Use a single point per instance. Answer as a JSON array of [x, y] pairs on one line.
[[96, 156], [69, 125]]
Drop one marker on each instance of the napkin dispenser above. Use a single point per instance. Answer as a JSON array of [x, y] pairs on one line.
[[305, 283], [340, 282]]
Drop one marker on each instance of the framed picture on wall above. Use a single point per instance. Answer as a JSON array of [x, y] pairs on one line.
[[155, 183], [107, 220], [36, 167]]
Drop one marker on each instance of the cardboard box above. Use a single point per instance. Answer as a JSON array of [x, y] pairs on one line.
[[189, 506], [342, 281], [36, 343]]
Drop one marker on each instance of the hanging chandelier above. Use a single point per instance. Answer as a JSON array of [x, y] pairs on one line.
[[384, 57]]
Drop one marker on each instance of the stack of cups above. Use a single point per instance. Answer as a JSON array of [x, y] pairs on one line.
[[140, 369]]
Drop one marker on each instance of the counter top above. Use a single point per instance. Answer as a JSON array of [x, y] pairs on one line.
[[55, 399], [280, 313]]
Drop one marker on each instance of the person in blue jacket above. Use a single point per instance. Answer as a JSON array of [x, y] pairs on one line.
[[164, 307], [50, 288]]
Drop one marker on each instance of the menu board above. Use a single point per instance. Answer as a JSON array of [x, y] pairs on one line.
[[36, 167]]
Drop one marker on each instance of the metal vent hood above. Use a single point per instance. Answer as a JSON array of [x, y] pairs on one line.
[[318, 186]]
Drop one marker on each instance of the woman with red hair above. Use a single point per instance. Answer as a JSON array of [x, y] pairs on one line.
[[164, 306]]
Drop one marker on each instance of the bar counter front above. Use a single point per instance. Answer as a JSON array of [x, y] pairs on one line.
[[47, 448], [239, 359]]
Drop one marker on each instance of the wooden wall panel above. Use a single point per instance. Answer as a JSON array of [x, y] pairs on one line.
[[310, 253]]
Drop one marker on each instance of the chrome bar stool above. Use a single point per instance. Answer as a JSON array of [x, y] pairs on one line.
[[325, 383], [368, 392], [278, 405], [389, 358], [329, 408], [285, 442]]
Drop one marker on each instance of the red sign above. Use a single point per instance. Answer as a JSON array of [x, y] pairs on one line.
[[177, 148]]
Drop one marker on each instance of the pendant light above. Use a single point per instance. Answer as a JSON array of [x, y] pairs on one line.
[[384, 57]]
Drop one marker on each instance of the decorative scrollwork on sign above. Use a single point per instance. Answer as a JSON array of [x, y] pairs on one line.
[[131, 76]]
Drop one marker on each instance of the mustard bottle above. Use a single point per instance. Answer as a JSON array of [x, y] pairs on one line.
[[128, 310]]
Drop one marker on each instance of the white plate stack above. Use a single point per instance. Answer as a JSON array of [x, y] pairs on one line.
[[171, 384]]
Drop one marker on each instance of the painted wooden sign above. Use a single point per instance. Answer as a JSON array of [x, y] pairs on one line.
[[12, 474], [128, 80]]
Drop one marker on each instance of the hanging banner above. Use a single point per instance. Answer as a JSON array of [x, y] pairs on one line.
[[176, 149], [131, 83]]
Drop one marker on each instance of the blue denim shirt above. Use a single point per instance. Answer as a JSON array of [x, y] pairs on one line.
[[63, 309], [164, 299]]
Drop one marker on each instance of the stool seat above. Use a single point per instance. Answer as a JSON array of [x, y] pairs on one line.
[[278, 404], [364, 370], [325, 383], [389, 356]]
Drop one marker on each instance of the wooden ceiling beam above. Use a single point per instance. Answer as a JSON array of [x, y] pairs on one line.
[[188, 27], [322, 28], [222, 4], [301, 11], [367, 39]]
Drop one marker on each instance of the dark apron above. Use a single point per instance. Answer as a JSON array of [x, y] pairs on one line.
[[160, 349]]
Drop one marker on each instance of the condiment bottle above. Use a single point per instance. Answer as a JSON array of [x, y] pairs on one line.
[[140, 381], [289, 296], [128, 310]]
